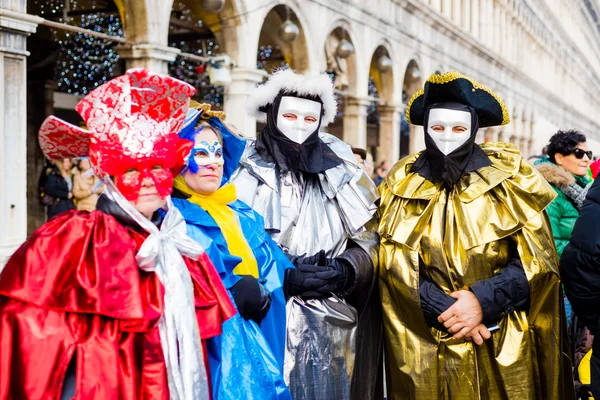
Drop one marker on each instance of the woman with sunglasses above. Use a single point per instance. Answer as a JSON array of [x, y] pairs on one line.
[[566, 169]]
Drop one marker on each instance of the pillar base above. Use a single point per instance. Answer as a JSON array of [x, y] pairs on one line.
[[153, 57]]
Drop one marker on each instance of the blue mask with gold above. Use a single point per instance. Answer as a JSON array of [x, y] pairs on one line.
[[206, 154]]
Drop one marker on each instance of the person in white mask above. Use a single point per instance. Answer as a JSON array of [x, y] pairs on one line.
[[468, 271], [316, 201]]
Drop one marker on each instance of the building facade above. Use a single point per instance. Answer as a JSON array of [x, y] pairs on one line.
[[541, 56]]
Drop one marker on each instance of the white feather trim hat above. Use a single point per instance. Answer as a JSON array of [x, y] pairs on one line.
[[296, 84]]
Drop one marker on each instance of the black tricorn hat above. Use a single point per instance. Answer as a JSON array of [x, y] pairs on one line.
[[457, 88]]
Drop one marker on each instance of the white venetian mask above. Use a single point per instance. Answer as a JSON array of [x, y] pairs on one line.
[[298, 118], [449, 129]]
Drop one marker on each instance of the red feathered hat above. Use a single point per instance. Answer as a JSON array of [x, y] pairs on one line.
[[133, 122]]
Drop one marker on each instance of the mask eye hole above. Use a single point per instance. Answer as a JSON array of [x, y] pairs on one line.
[[157, 168], [131, 172], [201, 153], [459, 129], [310, 120], [218, 153], [290, 116], [437, 128]]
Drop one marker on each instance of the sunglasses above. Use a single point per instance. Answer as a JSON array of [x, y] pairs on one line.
[[580, 153]]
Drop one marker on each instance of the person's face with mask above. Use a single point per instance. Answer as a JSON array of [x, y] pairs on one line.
[[298, 118], [449, 129]]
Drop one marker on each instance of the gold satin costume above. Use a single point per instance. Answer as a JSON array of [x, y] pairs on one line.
[[459, 236]]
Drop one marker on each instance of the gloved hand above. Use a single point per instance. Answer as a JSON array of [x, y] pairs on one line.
[[318, 276], [252, 299], [310, 281], [317, 259]]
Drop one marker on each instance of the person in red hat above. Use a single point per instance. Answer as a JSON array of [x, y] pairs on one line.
[[116, 303]]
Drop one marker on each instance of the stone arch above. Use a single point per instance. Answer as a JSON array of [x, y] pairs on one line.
[[226, 28], [383, 119], [342, 29], [146, 21], [195, 30], [412, 82], [384, 79], [296, 54], [343, 69]]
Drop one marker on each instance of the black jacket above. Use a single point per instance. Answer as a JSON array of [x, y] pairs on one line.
[[56, 186], [580, 273]]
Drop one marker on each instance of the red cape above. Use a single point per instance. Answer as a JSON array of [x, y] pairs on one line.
[[74, 290]]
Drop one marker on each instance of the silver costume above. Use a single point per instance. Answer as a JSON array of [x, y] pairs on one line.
[[306, 213]]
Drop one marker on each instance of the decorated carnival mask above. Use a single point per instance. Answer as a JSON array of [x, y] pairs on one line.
[[133, 122], [208, 154]]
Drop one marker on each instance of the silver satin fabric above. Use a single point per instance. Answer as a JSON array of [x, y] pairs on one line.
[[162, 253], [305, 214]]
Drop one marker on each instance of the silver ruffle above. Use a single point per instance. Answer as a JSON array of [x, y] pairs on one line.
[[305, 214]]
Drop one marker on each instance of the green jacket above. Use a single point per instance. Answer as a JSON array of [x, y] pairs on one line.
[[563, 211]]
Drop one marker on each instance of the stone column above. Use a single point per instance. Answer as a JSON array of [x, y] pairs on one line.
[[464, 12], [490, 135], [146, 24], [389, 133], [14, 30], [355, 122], [484, 23], [447, 8], [524, 147], [475, 19], [497, 36], [243, 81], [436, 5], [151, 56]]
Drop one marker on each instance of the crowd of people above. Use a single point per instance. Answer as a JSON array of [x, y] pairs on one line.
[[63, 187], [182, 260]]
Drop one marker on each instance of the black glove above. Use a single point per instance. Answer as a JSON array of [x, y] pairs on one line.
[[252, 299], [310, 281], [328, 276], [317, 259]]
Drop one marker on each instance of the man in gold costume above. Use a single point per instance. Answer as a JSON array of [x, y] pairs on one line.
[[468, 269]]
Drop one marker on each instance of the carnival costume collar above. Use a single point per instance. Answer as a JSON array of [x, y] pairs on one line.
[[345, 180], [133, 122], [457, 92], [310, 156], [508, 177]]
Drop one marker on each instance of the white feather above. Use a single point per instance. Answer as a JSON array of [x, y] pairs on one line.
[[288, 80]]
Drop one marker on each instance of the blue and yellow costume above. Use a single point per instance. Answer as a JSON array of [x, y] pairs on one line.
[[246, 361]]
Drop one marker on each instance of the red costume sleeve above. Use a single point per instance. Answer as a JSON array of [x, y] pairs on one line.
[[74, 290]]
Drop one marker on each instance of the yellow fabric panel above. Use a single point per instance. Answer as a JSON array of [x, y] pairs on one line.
[[216, 204]]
